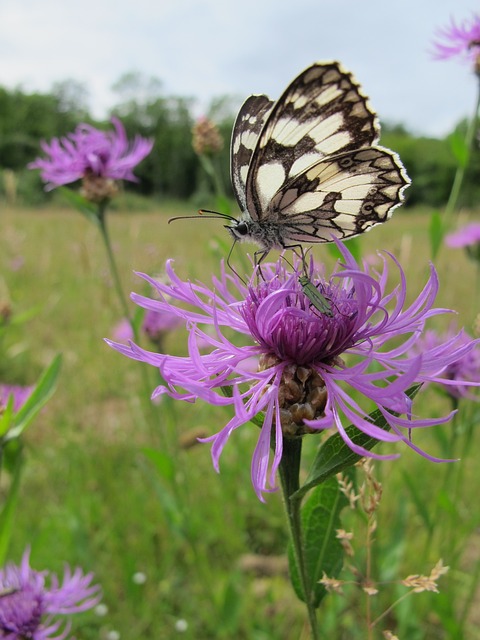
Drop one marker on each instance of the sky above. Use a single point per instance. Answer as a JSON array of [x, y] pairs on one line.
[[211, 48]]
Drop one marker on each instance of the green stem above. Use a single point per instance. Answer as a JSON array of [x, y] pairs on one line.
[[289, 470], [461, 169], [102, 219], [102, 222]]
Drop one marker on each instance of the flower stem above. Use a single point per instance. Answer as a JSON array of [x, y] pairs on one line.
[[102, 219], [102, 223], [462, 166], [289, 470]]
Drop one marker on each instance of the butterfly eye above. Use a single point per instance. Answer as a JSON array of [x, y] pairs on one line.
[[242, 228]]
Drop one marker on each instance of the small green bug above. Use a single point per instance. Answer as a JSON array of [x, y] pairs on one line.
[[316, 298]]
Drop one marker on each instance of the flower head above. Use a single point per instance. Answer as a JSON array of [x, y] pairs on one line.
[[20, 395], [97, 157], [467, 237], [304, 370], [459, 40], [206, 138], [29, 608]]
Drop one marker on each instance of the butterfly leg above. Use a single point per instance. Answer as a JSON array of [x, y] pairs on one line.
[[231, 267], [259, 257]]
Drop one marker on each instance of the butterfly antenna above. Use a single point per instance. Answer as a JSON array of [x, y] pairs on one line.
[[210, 214]]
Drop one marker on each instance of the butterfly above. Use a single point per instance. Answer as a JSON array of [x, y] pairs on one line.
[[308, 168]]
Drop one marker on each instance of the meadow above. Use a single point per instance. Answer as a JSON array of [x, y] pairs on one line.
[[118, 486]]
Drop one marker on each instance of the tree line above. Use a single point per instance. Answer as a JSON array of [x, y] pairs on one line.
[[173, 169]]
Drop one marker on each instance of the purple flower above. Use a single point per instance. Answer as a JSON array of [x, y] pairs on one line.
[[306, 371], [123, 331], [467, 237], [20, 395], [89, 152], [459, 40], [465, 368], [29, 608], [157, 325]]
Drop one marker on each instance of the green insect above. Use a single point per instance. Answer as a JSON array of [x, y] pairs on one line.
[[316, 298]]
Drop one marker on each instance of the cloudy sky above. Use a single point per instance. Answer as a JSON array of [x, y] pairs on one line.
[[214, 47]]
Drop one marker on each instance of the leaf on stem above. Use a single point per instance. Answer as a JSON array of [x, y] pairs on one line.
[[323, 551]]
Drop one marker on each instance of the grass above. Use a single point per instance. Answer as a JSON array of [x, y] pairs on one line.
[[109, 489]]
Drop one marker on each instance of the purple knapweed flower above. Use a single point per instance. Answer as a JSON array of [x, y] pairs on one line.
[[468, 238], [466, 368], [20, 395], [305, 370], [461, 40], [29, 608], [157, 325], [91, 153]]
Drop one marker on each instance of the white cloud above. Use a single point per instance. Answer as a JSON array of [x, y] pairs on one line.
[[215, 47]]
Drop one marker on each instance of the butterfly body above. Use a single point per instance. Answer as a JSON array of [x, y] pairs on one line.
[[307, 168]]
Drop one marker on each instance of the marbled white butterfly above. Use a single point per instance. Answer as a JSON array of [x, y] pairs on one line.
[[307, 168]]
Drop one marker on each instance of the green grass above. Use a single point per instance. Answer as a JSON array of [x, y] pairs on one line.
[[90, 495]]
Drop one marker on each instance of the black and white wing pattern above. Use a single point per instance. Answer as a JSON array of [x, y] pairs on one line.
[[248, 125], [308, 168]]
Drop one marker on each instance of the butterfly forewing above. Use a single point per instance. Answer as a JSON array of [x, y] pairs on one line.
[[321, 113], [248, 125]]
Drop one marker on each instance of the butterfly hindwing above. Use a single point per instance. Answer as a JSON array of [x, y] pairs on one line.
[[248, 125], [322, 112], [341, 196]]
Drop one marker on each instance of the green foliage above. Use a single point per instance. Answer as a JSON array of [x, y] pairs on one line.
[[323, 551], [173, 170], [431, 164]]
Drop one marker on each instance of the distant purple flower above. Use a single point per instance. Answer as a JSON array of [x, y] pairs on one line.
[[294, 366], [157, 325], [29, 608], [91, 152], [459, 40], [467, 237], [465, 368], [20, 395], [123, 331]]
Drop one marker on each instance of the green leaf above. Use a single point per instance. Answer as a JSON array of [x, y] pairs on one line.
[[436, 232], [6, 417], [7, 513], [335, 454], [39, 397], [459, 148], [81, 204], [323, 552]]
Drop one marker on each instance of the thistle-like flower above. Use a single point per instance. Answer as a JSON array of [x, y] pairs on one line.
[[98, 158], [462, 40], [305, 371], [31, 609]]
